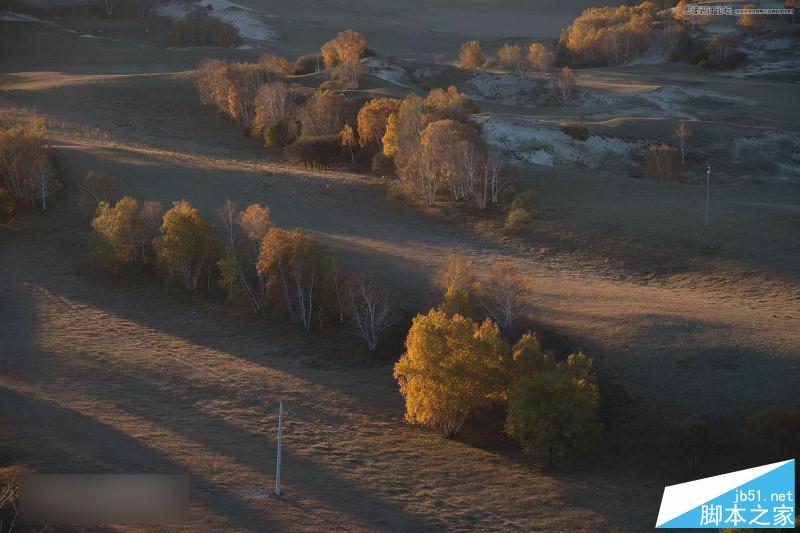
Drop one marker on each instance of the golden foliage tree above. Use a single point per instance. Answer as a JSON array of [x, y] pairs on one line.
[[346, 45], [187, 245], [323, 114], [114, 229], [25, 169], [512, 57], [372, 121], [451, 366], [540, 58], [296, 262], [471, 57]]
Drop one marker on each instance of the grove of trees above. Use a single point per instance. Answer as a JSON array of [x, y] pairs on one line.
[[26, 171], [455, 365], [253, 262]]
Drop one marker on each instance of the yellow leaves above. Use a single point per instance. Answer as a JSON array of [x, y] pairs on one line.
[[116, 224], [373, 119], [254, 221], [451, 366], [347, 45]]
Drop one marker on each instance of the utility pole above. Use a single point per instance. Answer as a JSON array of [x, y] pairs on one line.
[[278, 463], [708, 189]]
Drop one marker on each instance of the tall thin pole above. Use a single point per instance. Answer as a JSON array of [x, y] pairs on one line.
[[708, 189], [278, 463]]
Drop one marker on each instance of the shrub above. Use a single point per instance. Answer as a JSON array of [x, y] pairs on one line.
[[307, 64], [316, 152], [518, 218], [382, 165], [554, 414], [451, 367], [576, 130], [6, 205], [527, 200], [198, 28], [775, 434]]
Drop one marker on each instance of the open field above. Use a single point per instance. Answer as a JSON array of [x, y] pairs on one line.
[[102, 377]]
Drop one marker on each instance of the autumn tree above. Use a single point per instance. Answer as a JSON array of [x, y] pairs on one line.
[[371, 308], [512, 57], [554, 414], [296, 261], [663, 162], [323, 114], [243, 232], [750, 21], [563, 87], [682, 134], [346, 45], [442, 166], [456, 281], [114, 233], [146, 228], [25, 169], [187, 245], [348, 141], [276, 105], [97, 187], [504, 294], [529, 359], [451, 367], [471, 57], [372, 119], [348, 72], [540, 58], [449, 103]]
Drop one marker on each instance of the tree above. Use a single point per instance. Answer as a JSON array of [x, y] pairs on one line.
[[24, 160], [529, 358], [115, 229], [371, 309], [470, 56], [457, 273], [541, 59], [662, 162], [563, 87], [749, 20], [504, 294], [244, 231], [323, 114], [275, 103], [146, 226], [346, 45], [441, 165], [6, 205], [296, 261], [348, 137], [553, 413], [451, 367], [97, 187], [682, 133], [372, 119], [511, 57], [348, 71], [187, 245]]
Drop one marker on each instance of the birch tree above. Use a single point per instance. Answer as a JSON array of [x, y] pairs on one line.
[[371, 309]]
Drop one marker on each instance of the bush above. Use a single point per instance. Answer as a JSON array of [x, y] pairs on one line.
[[382, 165], [518, 218], [576, 130], [198, 28], [277, 135], [6, 205], [554, 414], [307, 64], [316, 152], [527, 200], [775, 434]]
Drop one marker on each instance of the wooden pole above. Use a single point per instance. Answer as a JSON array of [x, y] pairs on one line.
[[708, 189], [278, 463]]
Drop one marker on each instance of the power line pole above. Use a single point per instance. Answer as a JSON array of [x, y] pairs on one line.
[[708, 189], [278, 463]]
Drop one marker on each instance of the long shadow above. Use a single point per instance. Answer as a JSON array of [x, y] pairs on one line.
[[154, 404], [80, 444]]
